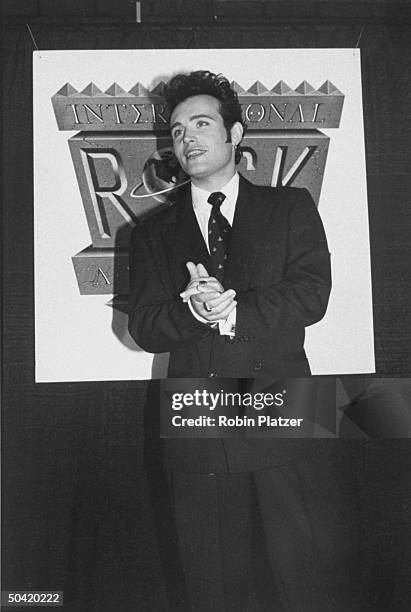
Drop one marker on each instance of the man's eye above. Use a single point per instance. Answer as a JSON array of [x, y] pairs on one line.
[[176, 134], [201, 123]]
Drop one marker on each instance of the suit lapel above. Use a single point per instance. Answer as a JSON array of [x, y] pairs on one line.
[[249, 219], [184, 240]]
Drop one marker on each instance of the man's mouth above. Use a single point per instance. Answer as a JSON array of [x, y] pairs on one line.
[[195, 153]]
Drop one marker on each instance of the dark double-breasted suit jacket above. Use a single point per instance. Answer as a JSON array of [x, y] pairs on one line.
[[279, 266]]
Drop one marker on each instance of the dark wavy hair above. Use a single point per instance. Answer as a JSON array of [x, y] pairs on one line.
[[204, 82]]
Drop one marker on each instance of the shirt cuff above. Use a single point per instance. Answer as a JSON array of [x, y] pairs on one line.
[[226, 326]]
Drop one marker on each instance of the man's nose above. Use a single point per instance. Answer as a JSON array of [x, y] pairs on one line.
[[188, 135]]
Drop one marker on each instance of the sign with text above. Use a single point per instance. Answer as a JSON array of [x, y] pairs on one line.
[[103, 160]]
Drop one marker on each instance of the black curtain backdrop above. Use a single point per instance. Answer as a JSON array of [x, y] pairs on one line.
[[77, 513]]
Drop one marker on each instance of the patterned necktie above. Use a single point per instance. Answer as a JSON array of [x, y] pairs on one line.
[[218, 234]]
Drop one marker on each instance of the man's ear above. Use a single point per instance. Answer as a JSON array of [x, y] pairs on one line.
[[236, 133]]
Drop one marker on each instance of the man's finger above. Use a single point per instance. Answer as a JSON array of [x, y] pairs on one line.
[[216, 307], [192, 268], [201, 271], [214, 301], [190, 291], [196, 286], [203, 279], [218, 310], [209, 284], [218, 313], [200, 296], [195, 290], [213, 317]]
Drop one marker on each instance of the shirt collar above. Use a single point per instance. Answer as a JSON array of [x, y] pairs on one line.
[[200, 196]]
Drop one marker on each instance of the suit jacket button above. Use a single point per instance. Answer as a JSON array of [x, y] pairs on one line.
[[212, 374], [257, 366]]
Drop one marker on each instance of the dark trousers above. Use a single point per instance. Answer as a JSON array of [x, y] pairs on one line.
[[277, 539]]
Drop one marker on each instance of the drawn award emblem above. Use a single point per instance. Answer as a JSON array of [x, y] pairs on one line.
[[161, 175], [125, 165]]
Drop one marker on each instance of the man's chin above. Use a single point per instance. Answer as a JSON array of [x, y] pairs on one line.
[[196, 166], [198, 173]]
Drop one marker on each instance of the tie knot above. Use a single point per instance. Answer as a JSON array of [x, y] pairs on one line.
[[216, 199]]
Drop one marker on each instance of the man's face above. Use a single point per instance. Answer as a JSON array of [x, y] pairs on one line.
[[200, 141]]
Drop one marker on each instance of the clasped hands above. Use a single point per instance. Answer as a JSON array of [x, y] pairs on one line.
[[207, 295]]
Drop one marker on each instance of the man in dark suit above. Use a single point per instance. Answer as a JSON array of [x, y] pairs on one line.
[[226, 279], [274, 280]]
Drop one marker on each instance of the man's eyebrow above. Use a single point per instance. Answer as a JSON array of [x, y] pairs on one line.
[[202, 115], [174, 125], [192, 118]]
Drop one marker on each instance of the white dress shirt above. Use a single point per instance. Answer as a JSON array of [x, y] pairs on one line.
[[202, 210]]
